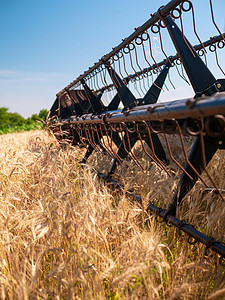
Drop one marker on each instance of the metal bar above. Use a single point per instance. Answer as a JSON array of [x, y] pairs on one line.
[[201, 78], [185, 184], [126, 96], [155, 17], [114, 104], [153, 93], [174, 109], [96, 104]]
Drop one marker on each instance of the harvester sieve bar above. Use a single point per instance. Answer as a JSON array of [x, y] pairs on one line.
[[179, 109]]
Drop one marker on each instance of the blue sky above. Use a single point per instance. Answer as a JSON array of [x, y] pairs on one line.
[[48, 43]]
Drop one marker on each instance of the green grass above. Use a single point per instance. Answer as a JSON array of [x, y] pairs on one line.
[[19, 128]]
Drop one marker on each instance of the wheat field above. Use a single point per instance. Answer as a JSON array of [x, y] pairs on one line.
[[65, 235]]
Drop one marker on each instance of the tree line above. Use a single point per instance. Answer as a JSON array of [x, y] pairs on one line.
[[11, 122]]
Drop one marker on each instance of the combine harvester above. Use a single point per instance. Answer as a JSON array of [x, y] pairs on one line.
[[81, 116]]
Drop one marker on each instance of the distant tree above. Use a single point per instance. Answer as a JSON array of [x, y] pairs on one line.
[[35, 117], [3, 117], [8, 119], [29, 121], [16, 119], [41, 116], [3, 111], [43, 113]]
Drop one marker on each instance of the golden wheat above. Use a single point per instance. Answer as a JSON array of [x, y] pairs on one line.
[[65, 235]]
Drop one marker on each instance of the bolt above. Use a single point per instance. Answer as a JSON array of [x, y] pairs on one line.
[[220, 142], [189, 103], [219, 85]]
